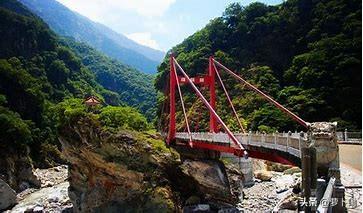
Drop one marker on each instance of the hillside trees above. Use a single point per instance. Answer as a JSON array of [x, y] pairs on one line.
[[305, 54], [37, 72], [135, 88]]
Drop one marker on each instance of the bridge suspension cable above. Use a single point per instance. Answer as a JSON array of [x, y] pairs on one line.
[[229, 99], [183, 106], [278, 105], [200, 95]]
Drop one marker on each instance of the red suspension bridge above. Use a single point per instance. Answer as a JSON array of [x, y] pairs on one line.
[[315, 151], [283, 148]]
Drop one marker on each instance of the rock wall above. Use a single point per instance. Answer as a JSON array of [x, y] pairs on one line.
[[16, 168], [114, 171]]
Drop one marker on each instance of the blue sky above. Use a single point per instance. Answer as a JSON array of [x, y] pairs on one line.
[[159, 24]]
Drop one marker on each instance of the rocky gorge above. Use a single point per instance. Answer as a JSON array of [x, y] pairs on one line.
[[114, 170], [273, 191], [110, 171]]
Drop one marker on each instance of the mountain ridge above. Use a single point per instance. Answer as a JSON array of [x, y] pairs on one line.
[[69, 23], [134, 87]]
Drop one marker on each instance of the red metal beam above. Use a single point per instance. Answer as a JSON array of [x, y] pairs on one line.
[[183, 106], [271, 156], [172, 84], [212, 101], [278, 105]]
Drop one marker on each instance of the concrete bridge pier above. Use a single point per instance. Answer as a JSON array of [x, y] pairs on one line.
[[247, 171]]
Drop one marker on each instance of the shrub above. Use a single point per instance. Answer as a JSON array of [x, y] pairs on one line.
[[123, 117]]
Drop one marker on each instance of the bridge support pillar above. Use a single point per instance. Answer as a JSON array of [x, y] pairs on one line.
[[247, 171], [309, 176]]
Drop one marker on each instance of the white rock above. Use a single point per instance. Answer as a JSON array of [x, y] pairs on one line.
[[284, 182], [38, 209], [41, 197]]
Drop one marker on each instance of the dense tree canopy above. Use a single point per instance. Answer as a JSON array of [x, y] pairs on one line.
[[123, 117], [135, 88], [39, 75], [112, 117], [306, 54]]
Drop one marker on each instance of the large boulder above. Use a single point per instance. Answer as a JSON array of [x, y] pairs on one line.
[[263, 175], [283, 182], [7, 196], [277, 167], [211, 178], [289, 203], [292, 170]]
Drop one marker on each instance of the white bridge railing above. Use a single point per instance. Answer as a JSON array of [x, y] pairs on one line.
[[285, 142], [349, 137]]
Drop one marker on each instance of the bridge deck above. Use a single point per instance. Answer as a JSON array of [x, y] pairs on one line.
[[290, 144]]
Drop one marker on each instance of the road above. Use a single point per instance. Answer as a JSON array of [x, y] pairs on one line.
[[351, 175], [351, 155]]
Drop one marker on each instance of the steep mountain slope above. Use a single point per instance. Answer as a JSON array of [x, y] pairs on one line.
[[135, 88], [306, 54], [39, 76], [68, 23], [123, 41]]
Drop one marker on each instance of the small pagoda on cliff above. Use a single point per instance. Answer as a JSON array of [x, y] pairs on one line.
[[92, 101]]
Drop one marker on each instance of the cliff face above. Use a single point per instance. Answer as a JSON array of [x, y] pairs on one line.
[[131, 170], [16, 168], [125, 170]]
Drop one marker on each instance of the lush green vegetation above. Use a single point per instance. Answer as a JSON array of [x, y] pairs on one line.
[[123, 117], [135, 88], [71, 110], [40, 76], [306, 54]]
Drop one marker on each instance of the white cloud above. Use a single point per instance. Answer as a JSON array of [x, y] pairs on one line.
[[96, 8], [144, 7], [144, 39]]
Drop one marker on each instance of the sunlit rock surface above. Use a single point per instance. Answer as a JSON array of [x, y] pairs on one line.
[[113, 171]]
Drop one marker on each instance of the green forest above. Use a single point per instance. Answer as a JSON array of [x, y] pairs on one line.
[[43, 83], [134, 87], [306, 54]]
